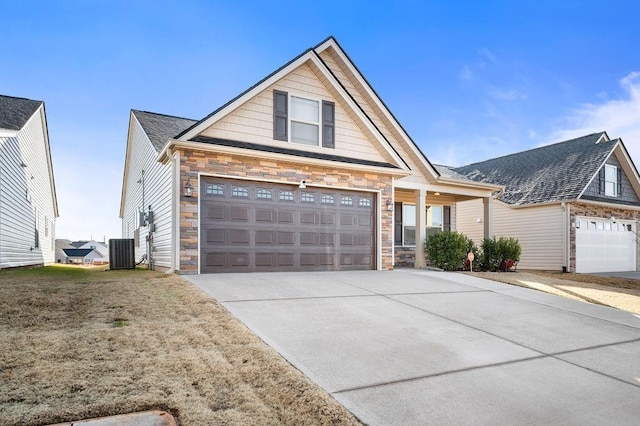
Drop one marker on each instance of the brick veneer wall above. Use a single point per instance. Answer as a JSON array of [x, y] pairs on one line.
[[193, 162], [590, 210]]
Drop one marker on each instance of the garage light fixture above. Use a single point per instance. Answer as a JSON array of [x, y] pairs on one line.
[[389, 204], [188, 189], [303, 184], [612, 219]]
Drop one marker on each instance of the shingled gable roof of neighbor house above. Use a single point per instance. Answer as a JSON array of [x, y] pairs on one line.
[[15, 112], [288, 151], [160, 127], [77, 252], [558, 172]]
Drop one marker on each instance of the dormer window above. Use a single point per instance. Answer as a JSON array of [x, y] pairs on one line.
[[302, 120]]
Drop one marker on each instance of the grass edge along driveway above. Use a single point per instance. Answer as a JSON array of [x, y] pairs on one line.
[[80, 343]]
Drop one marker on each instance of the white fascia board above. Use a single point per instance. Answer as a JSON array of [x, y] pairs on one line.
[[628, 165], [355, 109], [199, 146], [200, 127], [597, 171], [7, 133], [45, 131], [471, 184], [125, 175], [408, 141]]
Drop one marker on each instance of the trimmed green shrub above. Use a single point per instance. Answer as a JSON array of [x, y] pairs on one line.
[[495, 252], [490, 257], [509, 248], [448, 250]]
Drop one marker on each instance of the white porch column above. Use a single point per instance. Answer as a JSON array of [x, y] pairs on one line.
[[421, 226], [488, 217]]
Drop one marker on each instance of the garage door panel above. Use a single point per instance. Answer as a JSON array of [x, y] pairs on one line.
[[216, 213], [265, 215], [605, 246], [250, 226]]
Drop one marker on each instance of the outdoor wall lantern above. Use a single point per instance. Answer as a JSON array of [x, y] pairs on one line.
[[188, 189], [389, 204]]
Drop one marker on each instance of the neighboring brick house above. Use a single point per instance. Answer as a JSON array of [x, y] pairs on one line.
[[305, 170], [573, 205]]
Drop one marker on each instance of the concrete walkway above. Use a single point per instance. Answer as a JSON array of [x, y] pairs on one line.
[[420, 347]]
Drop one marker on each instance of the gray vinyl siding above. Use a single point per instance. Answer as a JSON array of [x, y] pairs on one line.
[[158, 195], [26, 197], [628, 194]]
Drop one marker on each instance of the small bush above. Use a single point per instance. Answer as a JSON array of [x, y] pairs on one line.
[[495, 252], [448, 250], [490, 256]]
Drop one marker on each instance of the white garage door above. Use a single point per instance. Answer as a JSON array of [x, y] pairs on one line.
[[605, 245]]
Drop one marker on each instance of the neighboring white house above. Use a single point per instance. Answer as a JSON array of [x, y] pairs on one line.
[[573, 205], [28, 205], [306, 170]]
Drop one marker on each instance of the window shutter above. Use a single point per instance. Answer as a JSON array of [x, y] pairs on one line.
[[397, 230], [619, 183], [446, 220], [280, 110], [602, 181], [328, 124]]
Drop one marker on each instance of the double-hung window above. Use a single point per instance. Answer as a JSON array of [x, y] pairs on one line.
[[302, 120], [611, 181]]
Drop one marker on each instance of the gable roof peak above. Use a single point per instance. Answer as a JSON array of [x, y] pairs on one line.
[[15, 112]]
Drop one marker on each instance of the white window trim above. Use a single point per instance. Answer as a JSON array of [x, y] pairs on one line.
[[613, 193], [290, 118]]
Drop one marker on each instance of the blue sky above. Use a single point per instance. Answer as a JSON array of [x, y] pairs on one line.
[[468, 80]]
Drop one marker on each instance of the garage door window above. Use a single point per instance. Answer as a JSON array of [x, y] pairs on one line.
[[364, 202], [240, 191], [212, 189], [307, 197], [346, 201], [286, 195], [327, 199], [263, 194]]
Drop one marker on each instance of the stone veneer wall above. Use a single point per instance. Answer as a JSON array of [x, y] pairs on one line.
[[193, 162], [405, 257], [590, 210]]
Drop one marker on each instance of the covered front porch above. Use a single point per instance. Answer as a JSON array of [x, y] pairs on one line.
[[420, 211]]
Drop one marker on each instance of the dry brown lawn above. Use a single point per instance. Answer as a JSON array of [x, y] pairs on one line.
[[76, 343], [620, 293]]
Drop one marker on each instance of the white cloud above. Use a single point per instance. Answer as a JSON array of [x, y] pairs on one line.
[[486, 54], [620, 118], [507, 94], [465, 73]]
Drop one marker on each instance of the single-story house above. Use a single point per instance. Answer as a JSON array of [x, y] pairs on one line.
[[306, 170], [28, 205], [84, 256], [573, 205]]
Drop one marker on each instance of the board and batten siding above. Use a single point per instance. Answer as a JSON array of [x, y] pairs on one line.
[[26, 197], [253, 121], [157, 196], [538, 229]]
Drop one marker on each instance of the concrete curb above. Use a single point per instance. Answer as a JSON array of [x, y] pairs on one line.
[[145, 418]]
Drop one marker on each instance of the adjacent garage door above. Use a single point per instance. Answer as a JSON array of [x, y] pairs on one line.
[[605, 246], [253, 226]]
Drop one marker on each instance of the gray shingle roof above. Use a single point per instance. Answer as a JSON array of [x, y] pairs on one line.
[[160, 128], [15, 112], [448, 172], [555, 172], [289, 151], [76, 252]]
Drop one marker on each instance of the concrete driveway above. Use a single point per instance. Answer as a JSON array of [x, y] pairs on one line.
[[420, 347], [632, 275]]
